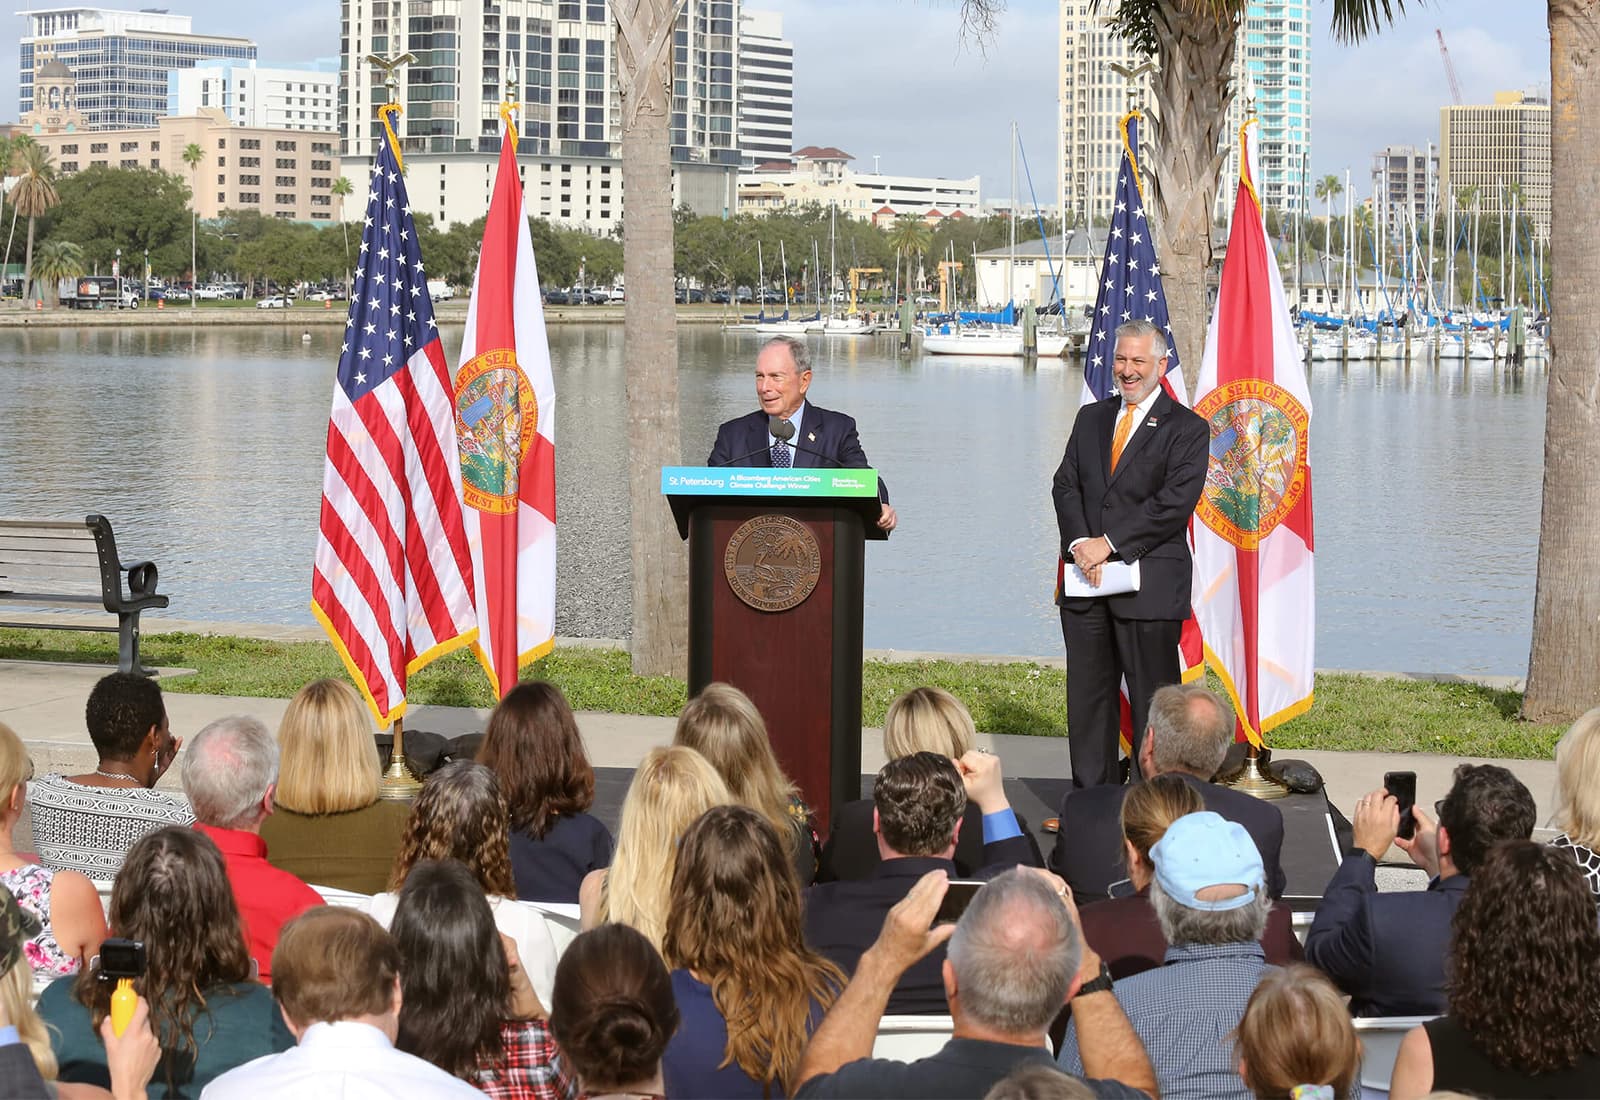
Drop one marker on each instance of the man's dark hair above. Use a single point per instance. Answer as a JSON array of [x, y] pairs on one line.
[[122, 709], [920, 800], [1486, 804]]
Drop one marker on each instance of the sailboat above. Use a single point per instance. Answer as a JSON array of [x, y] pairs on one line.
[[840, 324], [785, 325]]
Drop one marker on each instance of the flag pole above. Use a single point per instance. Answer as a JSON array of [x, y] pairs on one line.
[[1255, 780], [399, 783]]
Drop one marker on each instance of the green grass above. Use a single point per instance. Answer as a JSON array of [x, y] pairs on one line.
[[1351, 712]]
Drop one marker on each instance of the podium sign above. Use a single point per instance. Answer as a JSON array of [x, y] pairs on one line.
[[776, 572]]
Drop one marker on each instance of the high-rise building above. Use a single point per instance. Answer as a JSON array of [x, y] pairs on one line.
[[1403, 179], [1489, 152], [766, 89], [120, 59], [1272, 60], [285, 99]]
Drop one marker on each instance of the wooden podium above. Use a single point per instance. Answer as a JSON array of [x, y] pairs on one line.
[[776, 572]]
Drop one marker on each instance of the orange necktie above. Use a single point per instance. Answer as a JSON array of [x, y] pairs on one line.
[[1120, 440]]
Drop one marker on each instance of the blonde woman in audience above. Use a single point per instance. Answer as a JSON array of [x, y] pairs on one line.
[[460, 814], [1296, 1041], [724, 726], [330, 827], [65, 903], [671, 788], [924, 719], [1578, 796], [749, 990]]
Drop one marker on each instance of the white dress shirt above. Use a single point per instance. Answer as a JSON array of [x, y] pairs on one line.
[[347, 1060], [1140, 411], [795, 420]]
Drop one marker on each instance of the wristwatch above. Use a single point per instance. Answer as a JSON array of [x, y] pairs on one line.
[[1102, 984]]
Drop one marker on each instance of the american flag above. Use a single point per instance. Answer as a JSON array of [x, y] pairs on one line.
[[392, 582]]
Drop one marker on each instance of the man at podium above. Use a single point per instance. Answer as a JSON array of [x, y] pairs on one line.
[[788, 431]]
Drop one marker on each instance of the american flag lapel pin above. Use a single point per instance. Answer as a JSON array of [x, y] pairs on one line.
[[811, 436]]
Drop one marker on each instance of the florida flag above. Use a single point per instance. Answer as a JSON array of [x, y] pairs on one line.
[[505, 421], [1253, 590]]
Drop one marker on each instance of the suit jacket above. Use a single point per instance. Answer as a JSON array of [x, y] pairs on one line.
[[843, 919], [852, 850], [827, 438], [1126, 934], [1386, 950], [1088, 851], [1144, 507]]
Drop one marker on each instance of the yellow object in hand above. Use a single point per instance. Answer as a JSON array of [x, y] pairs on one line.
[[123, 1002]]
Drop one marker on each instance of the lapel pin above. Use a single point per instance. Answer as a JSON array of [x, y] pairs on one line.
[[812, 436], [1150, 422]]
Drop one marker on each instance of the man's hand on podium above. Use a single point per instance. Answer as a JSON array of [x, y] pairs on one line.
[[888, 518]]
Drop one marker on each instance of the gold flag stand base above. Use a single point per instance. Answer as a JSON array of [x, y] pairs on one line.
[[1255, 782], [398, 784]]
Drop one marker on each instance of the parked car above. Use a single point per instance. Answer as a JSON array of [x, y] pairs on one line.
[[556, 297], [744, 294], [320, 296], [277, 301], [770, 295], [927, 300], [719, 297], [696, 295]]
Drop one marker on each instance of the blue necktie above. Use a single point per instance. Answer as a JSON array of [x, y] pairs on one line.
[[782, 457]]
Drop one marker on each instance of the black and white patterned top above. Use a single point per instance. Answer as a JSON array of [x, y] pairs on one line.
[[90, 829], [1588, 861]]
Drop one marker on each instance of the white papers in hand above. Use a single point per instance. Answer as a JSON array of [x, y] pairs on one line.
[[1115, 577]]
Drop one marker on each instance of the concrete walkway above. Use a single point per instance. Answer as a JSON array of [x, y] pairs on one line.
[[44, 703]]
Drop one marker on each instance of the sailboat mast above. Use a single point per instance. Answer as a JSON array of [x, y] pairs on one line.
[[1011, 260]]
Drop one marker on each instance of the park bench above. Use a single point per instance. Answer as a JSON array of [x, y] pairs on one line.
[[74, 563]]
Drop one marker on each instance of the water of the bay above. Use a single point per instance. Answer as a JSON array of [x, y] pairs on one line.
[[205, 448]]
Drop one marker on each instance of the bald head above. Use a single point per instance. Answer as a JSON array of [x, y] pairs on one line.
[[1014, 954], [1190, 729]]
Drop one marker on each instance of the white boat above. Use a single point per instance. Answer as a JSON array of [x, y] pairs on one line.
[[844, 326], [786, 328], [998, 340], [1481, 346], [1051, 344]]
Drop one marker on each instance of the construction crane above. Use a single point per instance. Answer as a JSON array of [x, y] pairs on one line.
[[1449, 69], [945, 269], [855, 282]]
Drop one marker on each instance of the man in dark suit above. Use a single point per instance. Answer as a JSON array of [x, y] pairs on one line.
[[1132, 473], [819, 437], [1190, 729], [920, 799]]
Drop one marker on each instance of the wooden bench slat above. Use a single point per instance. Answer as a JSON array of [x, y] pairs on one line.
[[51, 599], [45, 575], [68, 525], [44, 559], [23, 544]]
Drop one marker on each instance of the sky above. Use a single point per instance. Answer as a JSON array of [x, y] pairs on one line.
[[896, 80]]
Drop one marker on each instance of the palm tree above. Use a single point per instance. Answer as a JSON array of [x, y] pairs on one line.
[[1565, 655], [1329, 188], [8, 148], [34, 194], [909, 236], [341, 188], [58, 260], [193, 154]]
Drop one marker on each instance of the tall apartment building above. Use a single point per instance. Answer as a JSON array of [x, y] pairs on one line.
[[1486, 149], [251, 95], [1272, 58], [1403, 179], [283, 173], [120, 59], [766, 89]]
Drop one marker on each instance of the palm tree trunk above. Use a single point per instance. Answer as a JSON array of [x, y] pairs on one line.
[[27, 267], [1564, 663], [5, 264], [1192, 90], [660, 565]]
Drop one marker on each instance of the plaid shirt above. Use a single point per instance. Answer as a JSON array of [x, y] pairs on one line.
[[532, 1069]]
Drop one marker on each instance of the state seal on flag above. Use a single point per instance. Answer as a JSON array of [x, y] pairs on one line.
[[1259, 459], [497, 415]]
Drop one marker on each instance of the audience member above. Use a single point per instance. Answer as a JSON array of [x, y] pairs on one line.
[[460, 815], [919, 801], [1297, 1033], [532, 745], [1189, 733], [1210, 895], [1524, 1007], [926, 719], [1123, 929], [467, 1004], [338, 984], [229, 774], [1577, 812], [614, 1013], [329, 826], [1015, 957], [173, 896], [724, 726], [88, 822], [1387, 950], [670, 788], [65, 904], [1039, 1083], [749, 990]]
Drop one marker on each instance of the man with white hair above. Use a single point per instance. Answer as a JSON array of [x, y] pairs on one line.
[[1210, 895], [230, 774]]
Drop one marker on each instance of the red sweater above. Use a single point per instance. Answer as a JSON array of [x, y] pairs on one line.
[[267, 897]]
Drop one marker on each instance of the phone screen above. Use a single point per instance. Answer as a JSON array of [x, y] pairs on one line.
[[956, 900], [1403, 785]]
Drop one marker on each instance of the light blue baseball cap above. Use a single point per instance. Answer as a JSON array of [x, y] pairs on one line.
[[1205, 849]]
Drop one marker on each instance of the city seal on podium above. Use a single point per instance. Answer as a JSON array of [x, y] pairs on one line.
[[1259, 467], [773, 563], [497, 415]]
